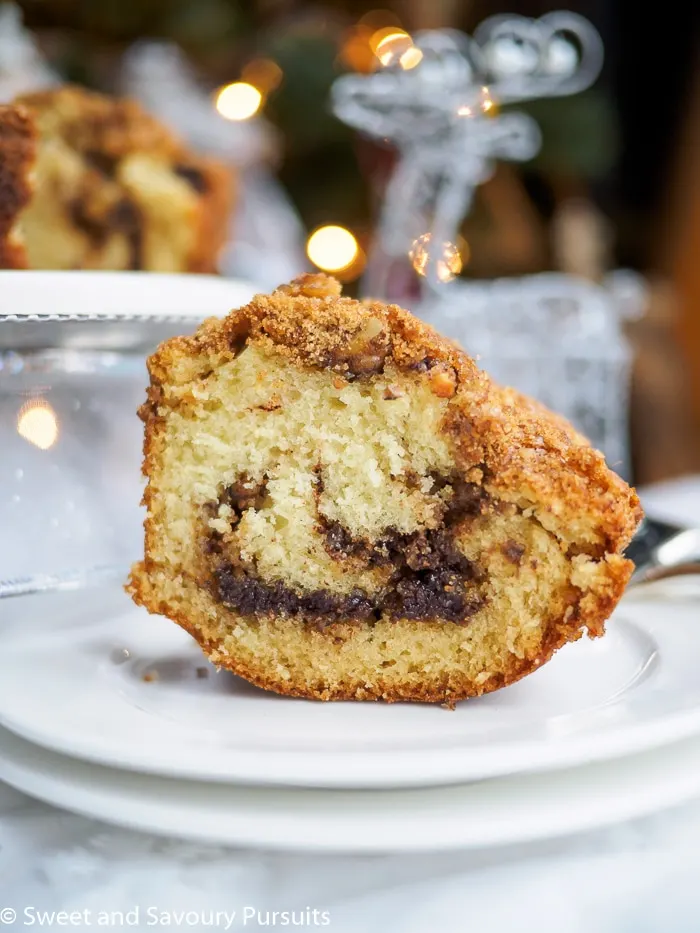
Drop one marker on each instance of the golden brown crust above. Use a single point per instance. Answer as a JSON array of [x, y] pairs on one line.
[[17, 154], [501, 439], [103, 131]]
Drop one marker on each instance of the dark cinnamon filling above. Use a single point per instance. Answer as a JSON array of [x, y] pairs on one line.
[[193, 176], [431, 578], [126, 217], [102, 162], [123, 217], [249, 595]]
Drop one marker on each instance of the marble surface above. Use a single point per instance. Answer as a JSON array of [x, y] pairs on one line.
[[640, 877]]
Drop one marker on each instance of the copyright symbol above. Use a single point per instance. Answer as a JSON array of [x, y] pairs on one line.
[[8, 915]]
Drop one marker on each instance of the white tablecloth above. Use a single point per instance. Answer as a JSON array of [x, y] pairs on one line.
[[641, 877]]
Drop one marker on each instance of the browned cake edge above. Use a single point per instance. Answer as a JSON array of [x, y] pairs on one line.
[[499, 436], [17, 154]]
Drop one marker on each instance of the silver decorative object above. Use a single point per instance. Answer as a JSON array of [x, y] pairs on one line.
[[437, 103], [22, 66]]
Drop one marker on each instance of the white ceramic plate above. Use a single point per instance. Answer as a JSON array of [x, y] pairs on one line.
[[490, 813], [89, 675]]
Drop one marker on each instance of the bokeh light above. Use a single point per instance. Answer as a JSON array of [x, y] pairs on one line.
[[444, 261], [37, 423], [378, 39], [390, 44], [387, 34], [332, 248], [238, 101]]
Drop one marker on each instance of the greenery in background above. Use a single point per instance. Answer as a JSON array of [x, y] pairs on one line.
[[579, 135]]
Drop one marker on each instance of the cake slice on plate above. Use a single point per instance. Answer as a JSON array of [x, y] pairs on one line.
[[94, 182], [342, 506]]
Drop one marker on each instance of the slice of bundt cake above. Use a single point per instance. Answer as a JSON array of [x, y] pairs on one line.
[[342, 506], [94, 182]]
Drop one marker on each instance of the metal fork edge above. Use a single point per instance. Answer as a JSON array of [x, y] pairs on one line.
[[66, 580]]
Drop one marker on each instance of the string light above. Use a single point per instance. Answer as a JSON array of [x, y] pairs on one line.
[[238, 101], [37, 423], [332, 248], [447, 263]]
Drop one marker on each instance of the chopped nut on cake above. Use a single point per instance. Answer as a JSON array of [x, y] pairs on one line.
[[395, 526]]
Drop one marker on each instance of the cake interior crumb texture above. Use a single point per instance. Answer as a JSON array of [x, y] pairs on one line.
[[340, 505], [93, 182]]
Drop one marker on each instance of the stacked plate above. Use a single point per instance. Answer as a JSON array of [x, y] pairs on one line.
[[115, 714]]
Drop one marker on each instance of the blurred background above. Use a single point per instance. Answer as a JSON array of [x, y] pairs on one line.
[[615, 184]]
